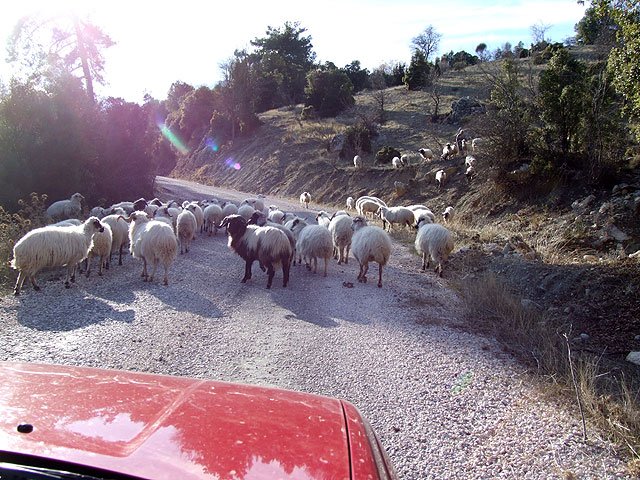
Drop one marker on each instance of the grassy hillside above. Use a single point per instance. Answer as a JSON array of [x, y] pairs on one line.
[[535, 262]]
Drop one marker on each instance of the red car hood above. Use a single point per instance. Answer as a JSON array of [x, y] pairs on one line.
[[173, 427]]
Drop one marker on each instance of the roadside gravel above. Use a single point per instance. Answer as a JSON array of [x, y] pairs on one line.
[[445, 404]]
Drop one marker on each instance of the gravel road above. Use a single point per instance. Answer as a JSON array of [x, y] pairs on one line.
[[445, 404]]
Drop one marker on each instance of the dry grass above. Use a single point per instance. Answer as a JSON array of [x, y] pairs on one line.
[[611, 401]]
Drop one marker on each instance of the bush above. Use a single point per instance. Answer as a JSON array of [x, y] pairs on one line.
[[329, 91], [357, 139], [385, 155]]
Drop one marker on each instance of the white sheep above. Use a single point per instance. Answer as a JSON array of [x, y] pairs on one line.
[[441, 178], [168, 212], [475, 144], [152, 241], [100, 247], [213, 215], [246, 210], [449, 150], [470, 172], [186, 227], [261, 220], [370, 198], [229, 208], [426, 153], [396, 162], [469, 161], [447, 215], [197, 211], [423, 214], [53, 247], [315, 242], [357, 161], [296, 225], [323, 219], [391, 215], [99, 212], [369, 244], [119, 234], [275, 215], [341, 233], [126, 206], [305, 198], [405, 160], [67, 222], [63, 209], [434, 242], [351, 203], [268, 245]]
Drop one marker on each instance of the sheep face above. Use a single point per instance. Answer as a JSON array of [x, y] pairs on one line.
[[258, 218], [357, 223], [236, 225]]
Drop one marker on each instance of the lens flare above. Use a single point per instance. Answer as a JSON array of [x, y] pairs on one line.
[[211, 143], [231, 163], [173, 138]]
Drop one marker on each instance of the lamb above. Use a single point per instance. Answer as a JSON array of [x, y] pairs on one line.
[[213, 215], [268, 245], [152, 241], [447, 215], [315, 241], [434, 242], [351, 203], [186, 227], [441, 177], [53, 247], [426, 153], [101, 243], [305, 198], [401, 215], [63, 209], [369, 244], [119, 234], [357, 161], [396, 162], [341, 233], [469, 161]]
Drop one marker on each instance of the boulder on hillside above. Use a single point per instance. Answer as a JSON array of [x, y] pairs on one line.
[[465, 107]]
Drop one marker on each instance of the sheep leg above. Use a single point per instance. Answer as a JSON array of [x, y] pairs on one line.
[[270, 272], [120, 257], [36, 287], [153, 270], [286, 264], [326, 260], [346, 255], [102, 261], [19, 282], [88, 267], [247, 271], [69, 276], [379, 275], [424, 262], [165, 280], [144, 269]]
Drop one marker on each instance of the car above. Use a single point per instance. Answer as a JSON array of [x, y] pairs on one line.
[[62, 421]]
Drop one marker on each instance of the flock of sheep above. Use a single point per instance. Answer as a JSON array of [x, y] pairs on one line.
[[154, 232]]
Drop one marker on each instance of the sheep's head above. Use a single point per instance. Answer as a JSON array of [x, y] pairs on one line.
[[140, 204], [77, 196], [138, 216], [357, 223], [94, 224], [236, 225], [257, 218]]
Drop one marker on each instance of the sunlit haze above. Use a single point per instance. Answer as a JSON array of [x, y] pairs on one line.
[[160, 43]]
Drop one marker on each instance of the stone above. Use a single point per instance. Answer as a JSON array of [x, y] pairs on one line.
[[618, 234], [590, 258], [337, 143], [634, 357]]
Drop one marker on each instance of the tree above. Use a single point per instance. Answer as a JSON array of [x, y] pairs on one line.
[[623, 60], [538, 31], [481, 52], [427, 42], [596, 28], [417, 75], [359, 77], [329, 91], [47, 48], [379, 86]]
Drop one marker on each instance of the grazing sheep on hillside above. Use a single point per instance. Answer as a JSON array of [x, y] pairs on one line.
[[364, 198], [426, 153], [423, 214], [475, 144], [305, 198], [53, 247], [63, 209], [186, 227], [469, 161], [351, 203], [434, 242], [441, 178], [268, 245], [119, 234], [396, 162], [470, 172], [315, 242], [357, 161], [448, 151], [152, 241], [341, 233], [100, 247], [369, 244], [447, 215], [400, 215]]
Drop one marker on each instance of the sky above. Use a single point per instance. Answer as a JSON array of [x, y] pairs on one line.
[[159, 43]]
